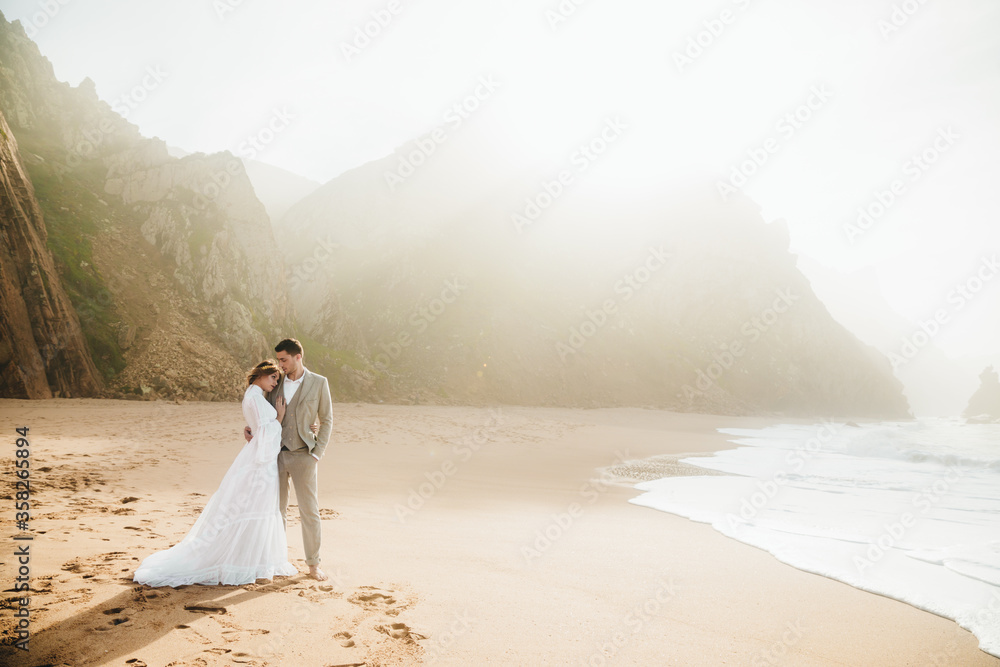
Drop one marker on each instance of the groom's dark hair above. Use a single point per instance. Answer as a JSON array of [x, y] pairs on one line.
[[289, 345]]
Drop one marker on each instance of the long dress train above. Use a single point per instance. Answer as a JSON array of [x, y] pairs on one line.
[[239, 536]]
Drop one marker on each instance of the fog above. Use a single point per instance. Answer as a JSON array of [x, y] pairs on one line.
[[870, 128]]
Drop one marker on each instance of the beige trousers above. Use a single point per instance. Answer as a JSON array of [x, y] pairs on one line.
[[301, 467]]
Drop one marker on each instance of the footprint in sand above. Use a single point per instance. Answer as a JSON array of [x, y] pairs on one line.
[[111, 564], [314, 592], [192, 635], [205, 609], [264, 588], [43, 584], [147, 595], [236, 634], [122, 616], [344, 638], [73, 566], [378, 599], [395, 630]]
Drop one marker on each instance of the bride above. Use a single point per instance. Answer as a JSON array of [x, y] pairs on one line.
[[239, 536]]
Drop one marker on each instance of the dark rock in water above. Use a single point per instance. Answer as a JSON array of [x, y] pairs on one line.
[[984, 406]]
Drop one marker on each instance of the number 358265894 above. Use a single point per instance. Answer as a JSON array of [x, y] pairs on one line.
[[23, 486]]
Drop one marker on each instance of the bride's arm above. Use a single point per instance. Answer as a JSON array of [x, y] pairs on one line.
[[266, 429]]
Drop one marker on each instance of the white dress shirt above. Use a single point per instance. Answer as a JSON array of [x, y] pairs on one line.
[[289, 386]]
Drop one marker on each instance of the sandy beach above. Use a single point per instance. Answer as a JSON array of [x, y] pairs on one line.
[[452, 536]]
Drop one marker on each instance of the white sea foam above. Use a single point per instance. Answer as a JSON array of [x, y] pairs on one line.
[[909, 510]]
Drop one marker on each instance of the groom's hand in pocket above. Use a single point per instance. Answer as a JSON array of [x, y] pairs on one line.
[[315, 429]]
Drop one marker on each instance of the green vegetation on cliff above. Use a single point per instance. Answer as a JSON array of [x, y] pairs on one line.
[[72, 214]]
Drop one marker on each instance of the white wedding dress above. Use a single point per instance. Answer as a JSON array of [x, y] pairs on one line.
[[239, 536]]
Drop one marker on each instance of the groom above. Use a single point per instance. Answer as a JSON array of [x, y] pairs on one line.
[[307, 396]]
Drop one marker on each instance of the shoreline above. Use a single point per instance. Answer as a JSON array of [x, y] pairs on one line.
[[465, 572]]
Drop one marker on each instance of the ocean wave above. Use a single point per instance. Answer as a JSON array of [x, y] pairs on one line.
[[909, 510]]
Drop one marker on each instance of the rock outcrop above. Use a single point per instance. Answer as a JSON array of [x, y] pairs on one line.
[[984, 406], [200, 212], [153, 251]]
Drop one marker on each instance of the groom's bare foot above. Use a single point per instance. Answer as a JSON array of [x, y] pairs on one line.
[[317, 574]]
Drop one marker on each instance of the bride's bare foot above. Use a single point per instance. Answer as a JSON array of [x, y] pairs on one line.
[[317, 574]]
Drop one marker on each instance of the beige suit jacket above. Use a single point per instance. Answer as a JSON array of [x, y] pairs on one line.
[[312, 400]]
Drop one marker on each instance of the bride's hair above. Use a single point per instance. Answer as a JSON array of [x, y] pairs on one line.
[[266, 367]]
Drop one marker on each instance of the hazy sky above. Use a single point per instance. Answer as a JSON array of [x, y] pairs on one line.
[[872, 91]]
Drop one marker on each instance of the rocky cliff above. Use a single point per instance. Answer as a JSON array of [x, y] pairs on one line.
[[984, 406], [171, 263], [464, 282], [42, 348], [468, 278]]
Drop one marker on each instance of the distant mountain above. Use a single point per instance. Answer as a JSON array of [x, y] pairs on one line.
[[278, 189], [934, 383], [470, 276], [173, 151], [449, 271]]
